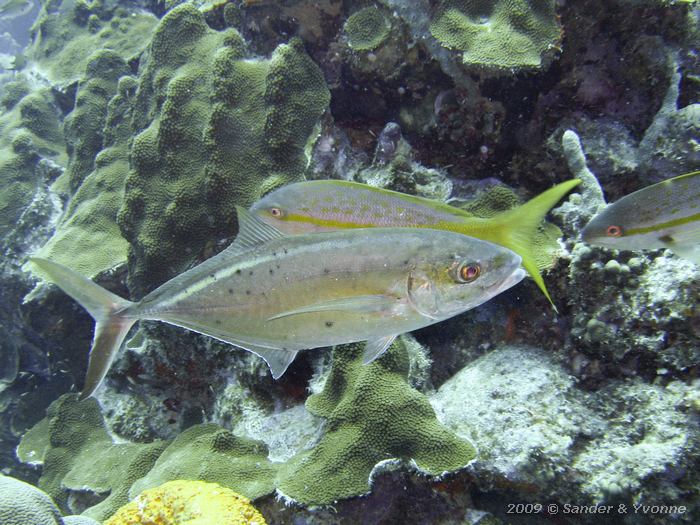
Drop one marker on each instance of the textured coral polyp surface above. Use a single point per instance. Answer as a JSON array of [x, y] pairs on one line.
[[503, 35]]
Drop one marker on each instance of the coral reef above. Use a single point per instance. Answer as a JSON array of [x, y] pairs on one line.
[[175, 501], [210, 453], [80, 457], [87, 238], [373, 418], [24, 504], [504, 35], [130, 129], [366, 29], [215, 129]]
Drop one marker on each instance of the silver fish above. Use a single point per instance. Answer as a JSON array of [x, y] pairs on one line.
[[274, 295], [663, 215]]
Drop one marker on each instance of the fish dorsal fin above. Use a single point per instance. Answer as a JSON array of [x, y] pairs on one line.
[[252, 232], [376, 347]]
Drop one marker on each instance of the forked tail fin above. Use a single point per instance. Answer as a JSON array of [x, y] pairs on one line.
[[108, 310], [517, 228]]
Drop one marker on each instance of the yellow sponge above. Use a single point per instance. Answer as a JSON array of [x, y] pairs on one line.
[[183, 502]]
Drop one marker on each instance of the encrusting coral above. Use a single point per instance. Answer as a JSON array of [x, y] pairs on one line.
[[366, 29], [80, 456], [210, 453], [503, 35], [373, 417], [183, 502]]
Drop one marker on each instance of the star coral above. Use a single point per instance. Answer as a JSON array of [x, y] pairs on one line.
[[373, 418], [503, 35], [183, 502]]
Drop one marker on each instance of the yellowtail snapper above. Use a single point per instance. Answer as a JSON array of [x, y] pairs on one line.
[[327, 205], [275, 295], [663, 215]]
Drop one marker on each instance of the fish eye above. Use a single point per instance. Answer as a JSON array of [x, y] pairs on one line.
[[614, 231], [468, 272], [276, 212]]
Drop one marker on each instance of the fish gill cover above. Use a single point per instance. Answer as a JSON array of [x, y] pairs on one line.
[[130, 129]]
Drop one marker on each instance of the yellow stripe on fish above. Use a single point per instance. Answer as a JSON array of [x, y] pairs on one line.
[[663, 215], [275, 295], [327, 205]]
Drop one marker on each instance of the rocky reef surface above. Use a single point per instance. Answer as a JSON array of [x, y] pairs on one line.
[[130, 130]]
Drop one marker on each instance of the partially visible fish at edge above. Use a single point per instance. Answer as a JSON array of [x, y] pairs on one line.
[[275, 295], [663, 215], [327, 205]]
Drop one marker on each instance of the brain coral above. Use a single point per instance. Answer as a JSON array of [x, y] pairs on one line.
[[24, 504], [184, 502], [373, 416], [214, 128], [366, 29], [498, 35]]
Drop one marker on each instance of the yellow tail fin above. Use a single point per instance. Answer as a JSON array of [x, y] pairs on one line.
[[517, 228]]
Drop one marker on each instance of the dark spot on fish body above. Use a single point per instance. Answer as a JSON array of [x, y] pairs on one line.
[[278, 266], [238, 272], [218, 321], [250, 272], [329, 324], [230, 290], [271, 271], [212, 276], [247, 292], [326, 271], [285, 251], [668, 239], [405, 262]]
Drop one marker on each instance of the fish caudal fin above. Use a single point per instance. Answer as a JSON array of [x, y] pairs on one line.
[[519, 226], [108, 310]]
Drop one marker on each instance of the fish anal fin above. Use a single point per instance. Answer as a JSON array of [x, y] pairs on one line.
[[376, 347], [276, 358], [359, 303], [684, 243]]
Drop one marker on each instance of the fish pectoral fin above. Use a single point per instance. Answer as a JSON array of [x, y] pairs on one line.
[[359, 303], [684, 243], [687, 251], [276, 358], [376, 347]]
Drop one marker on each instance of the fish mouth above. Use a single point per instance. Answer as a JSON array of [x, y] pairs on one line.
[[513, 279]]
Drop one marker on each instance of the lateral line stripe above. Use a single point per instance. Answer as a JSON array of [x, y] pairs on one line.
[[661, 226]]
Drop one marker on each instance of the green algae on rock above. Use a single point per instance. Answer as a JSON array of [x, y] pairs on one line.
[[373, 417], [498, 36], [366, 29], [211, 453], [215, 128]]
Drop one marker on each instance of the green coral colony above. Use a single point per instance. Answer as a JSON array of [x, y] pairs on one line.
[[185, 150]]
